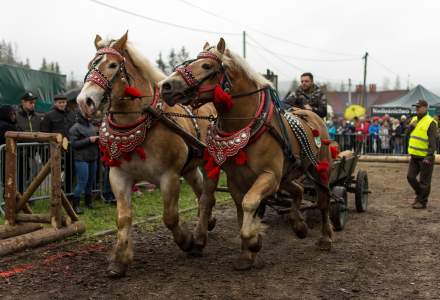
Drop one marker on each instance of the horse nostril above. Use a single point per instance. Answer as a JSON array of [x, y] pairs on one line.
[[166, 86], [89, 101]]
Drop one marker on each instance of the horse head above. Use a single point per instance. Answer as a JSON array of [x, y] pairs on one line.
[[107, 76]]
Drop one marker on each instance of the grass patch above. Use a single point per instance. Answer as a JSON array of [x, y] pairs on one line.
[[103, 216]]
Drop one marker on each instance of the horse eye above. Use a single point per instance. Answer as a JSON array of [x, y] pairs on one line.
[[206, 66], [113, 65]]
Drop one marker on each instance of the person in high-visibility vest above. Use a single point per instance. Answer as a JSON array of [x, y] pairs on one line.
[[422, 131]]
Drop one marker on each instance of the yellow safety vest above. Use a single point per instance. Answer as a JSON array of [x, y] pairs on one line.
[[418, 140]]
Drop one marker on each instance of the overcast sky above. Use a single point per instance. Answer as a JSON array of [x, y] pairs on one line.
[[402, 37]]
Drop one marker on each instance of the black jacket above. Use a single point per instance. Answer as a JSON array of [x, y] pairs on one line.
[[29, 121], [80, 133], [6, 124], [58, 121]]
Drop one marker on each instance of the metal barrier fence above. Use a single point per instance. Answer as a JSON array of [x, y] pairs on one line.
[[31, 157]]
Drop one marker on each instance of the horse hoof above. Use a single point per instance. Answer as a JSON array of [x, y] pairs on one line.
[[300, 230], [196, 251], [116, 269], [324, 244], [211, 224], [188, 245]]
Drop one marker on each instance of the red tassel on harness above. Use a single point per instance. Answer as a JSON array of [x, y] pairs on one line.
[[214, 173], [334, 151], [211, 168], [326, 141], [222, 99], [322, 168], [141, 152], [132, 92], [315, 132], [126, 156], [241, 158]]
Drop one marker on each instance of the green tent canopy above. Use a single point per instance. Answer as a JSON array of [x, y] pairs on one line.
[[15, 81], [409, 99]]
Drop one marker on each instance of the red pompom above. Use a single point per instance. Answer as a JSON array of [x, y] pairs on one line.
[[131, 91], [241, 158], [334, 151], [315, 132], [214, 173], [222, 99], [322, 168], [141, 152], [126, 156], [326, 141]]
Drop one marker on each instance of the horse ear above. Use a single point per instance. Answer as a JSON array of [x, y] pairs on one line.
[[98, 40], [206, 46], [120, 44], [221, 46]]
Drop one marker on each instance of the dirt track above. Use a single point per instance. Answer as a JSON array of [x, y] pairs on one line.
[[392, 251]]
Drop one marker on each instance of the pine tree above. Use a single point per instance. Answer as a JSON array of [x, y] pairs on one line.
[[183, 55], [43, 65], [172, 59], [27, 64], [161, 64], [57, 68]]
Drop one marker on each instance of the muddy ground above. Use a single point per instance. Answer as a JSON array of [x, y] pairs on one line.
[[392, 251]]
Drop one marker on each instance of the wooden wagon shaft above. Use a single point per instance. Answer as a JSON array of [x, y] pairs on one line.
[[41, 218], [10, 184], [33, 186], [7, 231], [40, 237], [35, 136], [390, 158]]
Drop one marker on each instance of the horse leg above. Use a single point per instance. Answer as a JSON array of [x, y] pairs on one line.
[[206, 221], [251, 237], [325, 241], [170, 190], [122, 254], [296, 218]]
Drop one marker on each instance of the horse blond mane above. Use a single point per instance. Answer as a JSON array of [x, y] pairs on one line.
[[148, 70], [234, 61]]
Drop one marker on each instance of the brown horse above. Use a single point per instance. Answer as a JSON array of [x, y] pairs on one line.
[[139, 147], [251, 140]]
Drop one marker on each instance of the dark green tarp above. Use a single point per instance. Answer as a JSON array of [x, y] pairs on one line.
[[14, 81], [409, 99]]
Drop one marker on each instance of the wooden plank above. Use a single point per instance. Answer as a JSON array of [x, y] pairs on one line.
[[35, 136], [7, 231], [33, 186], [391, 158], [40, 218], [40, 237], [68, 207], [10, 181], [55, 194]]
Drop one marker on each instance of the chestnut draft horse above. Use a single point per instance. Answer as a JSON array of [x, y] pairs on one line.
[[261, 147], [139, 146]]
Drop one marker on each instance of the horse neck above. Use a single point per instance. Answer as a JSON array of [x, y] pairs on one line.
[[243, 110], [147, 88]]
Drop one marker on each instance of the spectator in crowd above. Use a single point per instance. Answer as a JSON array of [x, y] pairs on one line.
[[27, 118], [397, 138], [385, 137], [373, 131], [331, 127], [60, 120], [308, 96], [348, 131], [84, 141], [361, 131], [8, 120]]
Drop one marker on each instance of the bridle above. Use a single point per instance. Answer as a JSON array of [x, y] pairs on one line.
[[196, 87], [97, 77]]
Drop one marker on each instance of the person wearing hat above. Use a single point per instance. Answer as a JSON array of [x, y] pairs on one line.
[[422, 131], [27, 118], [8, 120], [59, 120]]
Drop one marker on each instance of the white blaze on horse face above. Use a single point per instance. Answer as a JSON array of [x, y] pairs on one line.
[[91, 96]]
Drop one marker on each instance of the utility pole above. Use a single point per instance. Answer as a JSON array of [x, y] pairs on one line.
[[244, 44], [349, 91], [364, 90]]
